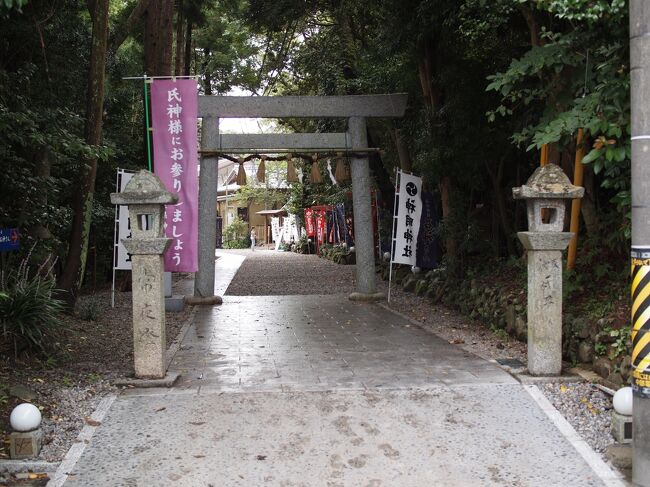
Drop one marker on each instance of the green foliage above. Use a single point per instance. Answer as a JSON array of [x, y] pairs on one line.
[[303, 246], [89, 308], [578, 78], [622, 342], [268, 197], [227, 51], [585, 10], [29, 311], [236, 236], [337, 253], [7, 5]]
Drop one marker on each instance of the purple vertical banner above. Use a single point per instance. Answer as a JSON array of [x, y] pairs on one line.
[[174, 109]]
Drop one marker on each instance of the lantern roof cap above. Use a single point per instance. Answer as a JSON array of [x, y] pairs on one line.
[[145, 188], [548, 182]]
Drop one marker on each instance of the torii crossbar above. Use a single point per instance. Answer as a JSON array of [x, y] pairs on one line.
[[355, 108]]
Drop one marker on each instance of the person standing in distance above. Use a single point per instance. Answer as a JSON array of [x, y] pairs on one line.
[[253, 237]]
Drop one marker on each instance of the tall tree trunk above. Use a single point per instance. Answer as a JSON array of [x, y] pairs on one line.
[[151, 22], [159, 38], [188, 48], [402, 151], [42, 167], [75, 265], [123, 30], [166, 34], [207, 78], [502, 213], [589, 212], [533, 25], [179, 66], [446, 189]]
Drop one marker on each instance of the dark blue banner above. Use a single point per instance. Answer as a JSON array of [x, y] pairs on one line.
[[9, 239], [428, 250]]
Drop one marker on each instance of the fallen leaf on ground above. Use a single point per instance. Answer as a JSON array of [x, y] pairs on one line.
[[457, 341], [197, 423], [261, 457], [161, 409], [199, 456], [91, 422]]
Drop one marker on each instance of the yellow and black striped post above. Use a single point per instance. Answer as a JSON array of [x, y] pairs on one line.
[[640, 219], [641, 320]]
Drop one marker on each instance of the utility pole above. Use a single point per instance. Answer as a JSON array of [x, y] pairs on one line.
[[640, 103]]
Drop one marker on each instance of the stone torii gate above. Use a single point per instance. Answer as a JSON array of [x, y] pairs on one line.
[[355, 108]]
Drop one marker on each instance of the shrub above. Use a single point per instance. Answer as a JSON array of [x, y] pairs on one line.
[[89, 309], [236, 236], [29, 312]]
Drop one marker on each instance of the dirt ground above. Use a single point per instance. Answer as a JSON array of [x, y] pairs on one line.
[[68, 384]]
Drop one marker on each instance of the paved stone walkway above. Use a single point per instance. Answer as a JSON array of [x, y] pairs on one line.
[[320, 391], [283, 343]]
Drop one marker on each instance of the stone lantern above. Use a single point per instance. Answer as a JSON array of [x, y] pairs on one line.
[[545, 193], [146, 198]]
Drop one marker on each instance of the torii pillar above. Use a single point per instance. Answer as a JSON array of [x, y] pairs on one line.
[[362, 207], [355, 108]]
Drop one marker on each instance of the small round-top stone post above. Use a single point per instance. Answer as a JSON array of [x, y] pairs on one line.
[[146, 198], [545, 193]]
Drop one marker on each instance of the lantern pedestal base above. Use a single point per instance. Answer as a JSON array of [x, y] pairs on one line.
[[175, 303], [545, 300], [621, 427], [25, 444]]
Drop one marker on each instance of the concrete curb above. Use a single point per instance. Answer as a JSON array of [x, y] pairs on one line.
[[167, 381], [22, 466], [527, 379], [593, 459], [176, 344], [77, 449]]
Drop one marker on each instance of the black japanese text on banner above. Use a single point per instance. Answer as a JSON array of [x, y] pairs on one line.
[[408, 213]]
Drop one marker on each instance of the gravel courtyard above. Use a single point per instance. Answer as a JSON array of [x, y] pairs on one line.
[[271, 273]]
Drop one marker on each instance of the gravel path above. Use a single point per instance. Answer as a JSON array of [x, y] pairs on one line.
[[267, 272]]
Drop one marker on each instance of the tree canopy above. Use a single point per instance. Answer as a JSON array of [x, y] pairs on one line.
[[489, 82]]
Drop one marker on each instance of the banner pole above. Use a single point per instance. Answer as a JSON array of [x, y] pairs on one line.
[[392, 236], [378, 227], [115, 237], [146, 118]]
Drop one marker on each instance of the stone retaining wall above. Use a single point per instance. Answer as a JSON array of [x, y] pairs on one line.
[[592, 343]]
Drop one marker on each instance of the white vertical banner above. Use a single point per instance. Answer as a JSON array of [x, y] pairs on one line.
[[122, 258], [408, 211], [286, 229], [275, 228], [293, 227]]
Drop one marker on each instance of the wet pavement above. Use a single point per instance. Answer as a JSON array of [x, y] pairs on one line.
[[316, 390], [284, 343]]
